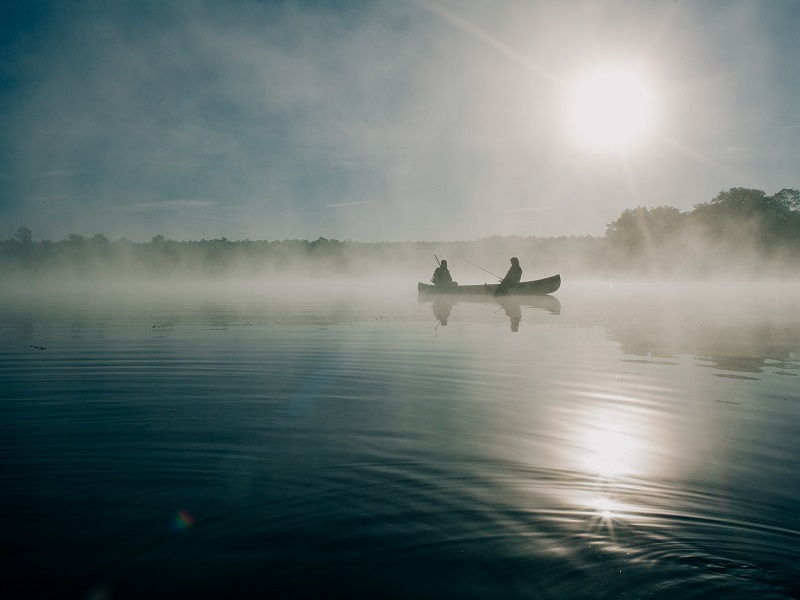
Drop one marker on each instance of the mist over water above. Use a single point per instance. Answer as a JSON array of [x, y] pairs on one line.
[[741, 234], [340, 439]]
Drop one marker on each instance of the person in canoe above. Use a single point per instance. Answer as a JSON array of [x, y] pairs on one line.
[[441, 277], [511, 279]]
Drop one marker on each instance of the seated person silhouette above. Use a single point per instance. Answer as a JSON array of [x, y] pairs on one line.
[[511, 279], [441, 277]]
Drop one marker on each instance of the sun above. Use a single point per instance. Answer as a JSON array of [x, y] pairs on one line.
[[610, 108]]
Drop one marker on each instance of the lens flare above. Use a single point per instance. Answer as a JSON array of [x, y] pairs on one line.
[[182, 521]]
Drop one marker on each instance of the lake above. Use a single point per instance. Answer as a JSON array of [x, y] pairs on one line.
[[610, 441]]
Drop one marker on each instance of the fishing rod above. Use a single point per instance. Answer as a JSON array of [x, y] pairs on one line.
[[437, 260], [480, 267]]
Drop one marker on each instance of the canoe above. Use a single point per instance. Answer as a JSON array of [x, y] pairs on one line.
[[540, 287]]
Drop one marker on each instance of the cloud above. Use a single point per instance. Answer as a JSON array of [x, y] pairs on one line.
[[348, 204], [56, 197], [168, 205], [282, 109], [58, 173], [529, 209]]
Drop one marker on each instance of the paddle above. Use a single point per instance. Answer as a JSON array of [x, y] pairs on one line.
[[438, 263]]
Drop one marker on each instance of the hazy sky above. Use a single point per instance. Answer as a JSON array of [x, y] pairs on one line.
[[381, 120]]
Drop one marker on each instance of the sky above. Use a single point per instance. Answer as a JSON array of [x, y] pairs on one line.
[[384, 120]]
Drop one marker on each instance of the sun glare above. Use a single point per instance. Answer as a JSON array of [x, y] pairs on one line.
[[609, 452], [610, 108]]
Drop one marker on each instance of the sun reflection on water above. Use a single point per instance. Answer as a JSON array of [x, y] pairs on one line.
[[604, 507], [609, 452], [610, 447], [603, 515]]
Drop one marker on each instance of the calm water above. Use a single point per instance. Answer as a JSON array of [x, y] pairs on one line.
[[613, 442]]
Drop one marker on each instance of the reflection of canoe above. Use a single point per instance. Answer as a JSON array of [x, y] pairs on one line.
[[444, 303], [512, 305], [550, 304], [539, 287]]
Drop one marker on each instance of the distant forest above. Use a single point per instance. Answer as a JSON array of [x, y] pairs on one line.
[[740, 233]]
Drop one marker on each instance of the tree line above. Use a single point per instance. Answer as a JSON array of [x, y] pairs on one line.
[[740, 232]]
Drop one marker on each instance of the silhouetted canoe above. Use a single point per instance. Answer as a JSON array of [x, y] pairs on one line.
[[540, 287]]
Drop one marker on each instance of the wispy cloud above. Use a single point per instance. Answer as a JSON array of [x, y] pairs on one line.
[[43, 198], [58, 173], [526, 209], [292, 112], [348, 204], [166, 205]]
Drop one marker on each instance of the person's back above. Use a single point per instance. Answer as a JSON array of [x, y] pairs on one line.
[[514, 275], [441, 276], [512, 278]]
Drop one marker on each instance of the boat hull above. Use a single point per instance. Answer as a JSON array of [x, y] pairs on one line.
[[540, 287]]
